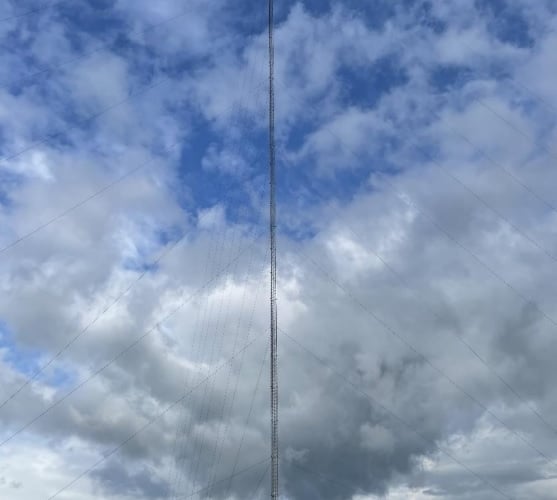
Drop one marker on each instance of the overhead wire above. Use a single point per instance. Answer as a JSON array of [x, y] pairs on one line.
[[517, 129], [196, 456], [204, 445], [47, 138], [204, 314], [208, 342], [211, 342], [224, 419], [216, 345], [508, 77], [486, 204], [446, 171], [507, 171]]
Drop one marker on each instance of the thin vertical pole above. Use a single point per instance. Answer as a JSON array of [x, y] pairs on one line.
[[272, 235]]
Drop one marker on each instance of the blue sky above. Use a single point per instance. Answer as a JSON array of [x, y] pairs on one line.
[[415, 194]]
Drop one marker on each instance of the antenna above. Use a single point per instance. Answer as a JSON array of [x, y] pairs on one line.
[[273, 244]]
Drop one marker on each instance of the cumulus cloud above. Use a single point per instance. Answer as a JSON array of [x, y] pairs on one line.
[[416, 250]]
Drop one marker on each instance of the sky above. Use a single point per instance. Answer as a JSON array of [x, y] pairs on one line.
[[417, 249]]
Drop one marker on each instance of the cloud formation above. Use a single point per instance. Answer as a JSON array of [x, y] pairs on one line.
[[417, 258]]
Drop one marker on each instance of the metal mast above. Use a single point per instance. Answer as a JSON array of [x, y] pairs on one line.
[[272, 234]]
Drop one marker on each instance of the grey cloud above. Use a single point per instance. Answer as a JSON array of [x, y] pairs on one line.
[[335, 442], [117, 479]]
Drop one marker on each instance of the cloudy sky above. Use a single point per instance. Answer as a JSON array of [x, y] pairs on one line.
[[417, 249]]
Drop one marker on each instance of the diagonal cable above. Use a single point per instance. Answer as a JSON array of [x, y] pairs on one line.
[[124, 351], [31, 12], [240, 472], [148, 424], [86, 328], [388, 328], [424, 213], [100, 191], [99, 48], [460, 338], [357, 388]]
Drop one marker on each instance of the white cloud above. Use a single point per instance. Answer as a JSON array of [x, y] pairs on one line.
[[58, 281]]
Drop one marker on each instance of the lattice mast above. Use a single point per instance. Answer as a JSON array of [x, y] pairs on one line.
[[273, 287]]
